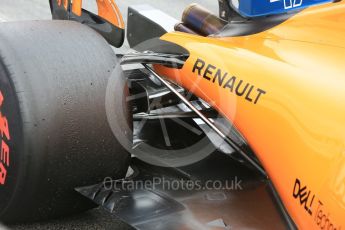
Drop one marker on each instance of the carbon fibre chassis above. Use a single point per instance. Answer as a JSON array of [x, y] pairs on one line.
[[248, 204], [143, 200]]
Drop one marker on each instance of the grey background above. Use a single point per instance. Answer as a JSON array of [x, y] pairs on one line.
[[18, 10], [14, 10]]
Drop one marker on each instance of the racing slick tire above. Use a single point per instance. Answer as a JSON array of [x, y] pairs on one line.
[[54, 131]]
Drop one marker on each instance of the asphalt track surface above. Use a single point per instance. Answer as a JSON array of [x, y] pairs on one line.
[[20, 10]]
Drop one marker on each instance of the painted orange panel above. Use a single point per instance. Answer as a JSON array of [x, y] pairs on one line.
[[107, 9], [76, 7], [289, 104]]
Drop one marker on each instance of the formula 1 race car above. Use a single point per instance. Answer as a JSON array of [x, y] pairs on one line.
[[256, 94]]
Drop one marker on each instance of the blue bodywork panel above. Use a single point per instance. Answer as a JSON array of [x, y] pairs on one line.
[[257, 8]]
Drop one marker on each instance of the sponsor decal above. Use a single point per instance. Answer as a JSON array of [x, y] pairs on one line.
[[5, 150], [305, 196], [314, 206], [288, 4], [233, 84]]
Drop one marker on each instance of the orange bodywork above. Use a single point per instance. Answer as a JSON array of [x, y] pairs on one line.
[[107, 9], [292, 112], [65, 4]]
